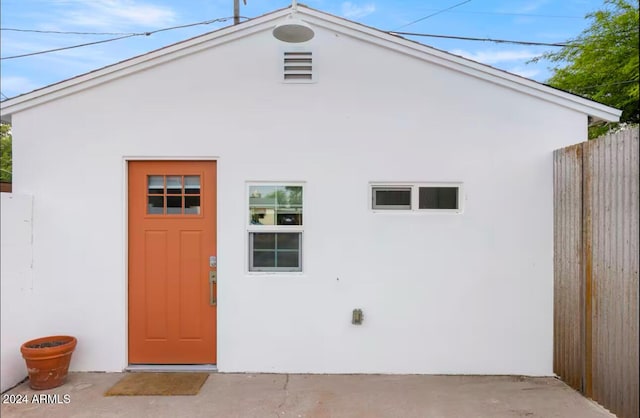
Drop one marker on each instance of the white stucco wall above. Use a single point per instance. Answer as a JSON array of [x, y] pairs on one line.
[[441, 293], [19, 322]]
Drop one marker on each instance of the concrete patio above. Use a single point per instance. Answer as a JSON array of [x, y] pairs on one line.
[[317, 396]]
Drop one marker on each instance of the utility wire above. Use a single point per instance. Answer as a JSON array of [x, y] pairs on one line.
[[130, 35], [514, 14], [439, 11], [434, 14], [573, 43], [3, 95], [71, 47], [68, 32], [558, 44], [465, 38], [206, 22]]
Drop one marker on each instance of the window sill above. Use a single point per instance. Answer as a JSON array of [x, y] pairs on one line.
[[283, 274], [417, 211]]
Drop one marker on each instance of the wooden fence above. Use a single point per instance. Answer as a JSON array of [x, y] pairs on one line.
[[596, 215]]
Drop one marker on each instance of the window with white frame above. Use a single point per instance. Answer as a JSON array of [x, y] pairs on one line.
[[434, 197], [275, 227]]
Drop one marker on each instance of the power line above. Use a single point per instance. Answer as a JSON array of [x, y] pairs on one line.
[[514, 14], [188, 25], [70, 47], [3, 95], [437, 10], [508, 41], [465, 38], [436, 13], [67, 32], [206, 22], [129, 35]]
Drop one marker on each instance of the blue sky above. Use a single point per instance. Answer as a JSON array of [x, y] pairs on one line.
[[546, 21]]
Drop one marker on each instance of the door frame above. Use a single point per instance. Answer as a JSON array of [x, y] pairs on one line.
[[125, 216]]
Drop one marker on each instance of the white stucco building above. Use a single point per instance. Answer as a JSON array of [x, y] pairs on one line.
[[356, 170]]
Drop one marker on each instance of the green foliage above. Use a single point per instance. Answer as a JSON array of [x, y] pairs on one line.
[[5, 152], [602, 62]]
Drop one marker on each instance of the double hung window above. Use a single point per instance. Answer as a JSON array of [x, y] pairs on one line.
[[275, 227]]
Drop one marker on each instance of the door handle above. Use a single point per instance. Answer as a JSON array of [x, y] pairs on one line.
[[213, 279]]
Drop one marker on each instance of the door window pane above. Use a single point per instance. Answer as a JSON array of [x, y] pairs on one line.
[[155, 205], [192, 205], [192, 184], [155, 184], [174, 185], [174, 204]]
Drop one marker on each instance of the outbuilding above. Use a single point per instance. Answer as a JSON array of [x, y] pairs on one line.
[[351, 203]]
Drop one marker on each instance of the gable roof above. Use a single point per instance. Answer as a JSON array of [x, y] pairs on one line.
[[595, 110]]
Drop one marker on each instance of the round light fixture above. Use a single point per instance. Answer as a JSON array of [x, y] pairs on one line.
[[293, 30]]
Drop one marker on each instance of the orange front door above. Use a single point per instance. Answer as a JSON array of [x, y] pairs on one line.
[[172, 250]]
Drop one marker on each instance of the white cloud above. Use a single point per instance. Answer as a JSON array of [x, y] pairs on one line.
[[351, 10], [494, 57], [14, 85], [115, 13]]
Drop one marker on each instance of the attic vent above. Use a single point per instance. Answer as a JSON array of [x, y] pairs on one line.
[[298, 66]]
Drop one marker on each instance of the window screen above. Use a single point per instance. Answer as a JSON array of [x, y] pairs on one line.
[[438, 198], [392, 197]]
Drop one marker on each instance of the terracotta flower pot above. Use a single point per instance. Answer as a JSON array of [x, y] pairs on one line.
[[48, 360]]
